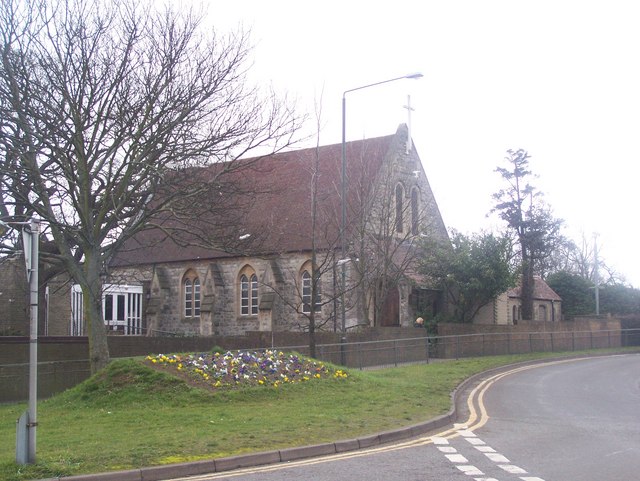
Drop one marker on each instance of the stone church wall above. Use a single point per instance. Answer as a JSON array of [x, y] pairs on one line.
[[14, 297], [279, 293]]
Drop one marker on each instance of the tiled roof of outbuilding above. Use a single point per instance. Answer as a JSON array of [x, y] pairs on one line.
[[541, 291]]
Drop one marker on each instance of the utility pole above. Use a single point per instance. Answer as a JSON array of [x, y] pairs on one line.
[[596, 276]]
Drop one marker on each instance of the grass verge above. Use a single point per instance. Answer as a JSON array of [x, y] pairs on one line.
[[131, 415]]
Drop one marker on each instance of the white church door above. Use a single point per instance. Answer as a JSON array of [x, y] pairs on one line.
[[121, 309]]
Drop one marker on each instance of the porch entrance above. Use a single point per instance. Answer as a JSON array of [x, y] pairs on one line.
[[390, 312]]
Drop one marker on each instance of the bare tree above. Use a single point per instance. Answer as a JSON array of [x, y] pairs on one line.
[[305, 295], [579, 258], [106, 110]]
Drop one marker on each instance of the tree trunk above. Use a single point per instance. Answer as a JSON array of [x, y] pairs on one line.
[[526, 293], [92, 294], [312, 334]]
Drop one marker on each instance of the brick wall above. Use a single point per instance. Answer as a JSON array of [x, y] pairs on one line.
[[466, 340]]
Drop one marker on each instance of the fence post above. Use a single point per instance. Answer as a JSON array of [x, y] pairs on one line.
[[609, 338], [530, 343], [395, 353], [573, 340], [360, 356], [509, 343], [457, 347], [591, 339], [552, 347], [427, 346]]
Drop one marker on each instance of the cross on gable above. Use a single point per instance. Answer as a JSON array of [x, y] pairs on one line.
[[409, 109]]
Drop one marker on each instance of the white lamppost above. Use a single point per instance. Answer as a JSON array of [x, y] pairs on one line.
[[343, 199], [26, 429]]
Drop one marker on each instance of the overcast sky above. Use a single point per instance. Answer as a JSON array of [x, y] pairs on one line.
[[560, 79]]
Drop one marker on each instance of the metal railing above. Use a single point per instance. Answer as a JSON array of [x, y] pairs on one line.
[[426, 349]]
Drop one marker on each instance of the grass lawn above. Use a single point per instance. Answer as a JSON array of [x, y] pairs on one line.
[[133, 415]]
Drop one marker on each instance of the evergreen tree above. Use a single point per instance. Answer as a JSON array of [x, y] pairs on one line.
[[537, 231]]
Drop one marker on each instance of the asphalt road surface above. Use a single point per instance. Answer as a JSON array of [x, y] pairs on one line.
[[575, 420]]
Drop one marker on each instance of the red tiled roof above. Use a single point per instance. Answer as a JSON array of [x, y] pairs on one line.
[[541, 290], [280, 214]]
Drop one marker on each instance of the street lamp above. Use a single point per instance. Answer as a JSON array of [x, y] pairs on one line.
[[26, 429], [343, 200]]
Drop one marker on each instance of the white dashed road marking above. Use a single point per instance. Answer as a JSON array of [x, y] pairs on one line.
[[485, 449], [456, 458], [470, 470], [497, 458], [459, 460], [438, 440], [475, 441], [510, 468], [447, 449]]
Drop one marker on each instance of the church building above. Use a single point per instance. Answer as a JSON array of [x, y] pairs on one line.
[[301, 254]]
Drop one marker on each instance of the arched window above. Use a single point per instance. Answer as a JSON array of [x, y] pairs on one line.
[[415, 206], [248, 292], [307, 290], [514, 314], [191, 294], [399, 208]]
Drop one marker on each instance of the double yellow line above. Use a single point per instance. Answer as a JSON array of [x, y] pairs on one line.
[[478, 417]]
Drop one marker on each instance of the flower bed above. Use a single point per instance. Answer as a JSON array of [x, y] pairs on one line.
[[245, 368]]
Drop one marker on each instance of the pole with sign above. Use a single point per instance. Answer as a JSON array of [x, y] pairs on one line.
[[28, 422]]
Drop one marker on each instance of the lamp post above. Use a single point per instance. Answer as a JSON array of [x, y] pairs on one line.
[[343, 200], [26, 429]]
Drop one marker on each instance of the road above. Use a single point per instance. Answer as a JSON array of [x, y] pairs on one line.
[[561, 421], [571, 421]]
